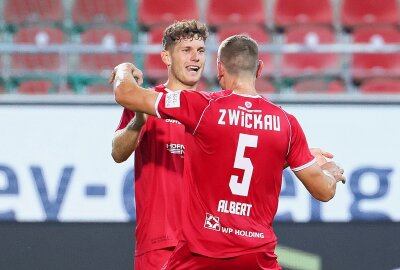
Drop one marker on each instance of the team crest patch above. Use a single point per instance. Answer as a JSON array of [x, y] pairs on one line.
[[173, 100], [248, 104]]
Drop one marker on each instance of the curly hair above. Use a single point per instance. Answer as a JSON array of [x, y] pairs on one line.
[[181, 30]]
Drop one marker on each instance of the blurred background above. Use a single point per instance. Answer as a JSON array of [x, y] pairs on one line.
[[64, 203]]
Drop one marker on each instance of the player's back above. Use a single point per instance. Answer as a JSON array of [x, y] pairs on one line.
[[240, 147], [236, 148]]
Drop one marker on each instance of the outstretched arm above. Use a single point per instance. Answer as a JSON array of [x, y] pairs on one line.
[[128, 93]]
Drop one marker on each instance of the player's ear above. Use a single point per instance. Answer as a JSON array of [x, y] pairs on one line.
[[166, 57], [259, 68], [220, 69]]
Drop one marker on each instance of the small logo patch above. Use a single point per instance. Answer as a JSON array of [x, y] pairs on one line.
[[248, 104], [212, 222], [173, 100]]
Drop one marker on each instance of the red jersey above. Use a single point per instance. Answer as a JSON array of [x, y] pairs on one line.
[[236, 148], [158, 174]]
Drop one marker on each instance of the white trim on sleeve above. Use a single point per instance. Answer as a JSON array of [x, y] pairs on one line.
[[156, 104], [305, 165]]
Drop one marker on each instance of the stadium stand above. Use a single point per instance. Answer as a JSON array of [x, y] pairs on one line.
[[153, 65], [289, 13], [319, 86], [155, 13], [372, 65], [28, 12], [235, 12], [255, 31], [37, 87], [100, 12], [74, 24], [361, 12], [40, 37], [264, 86], [309, 64], [380, 86], [109, 37]]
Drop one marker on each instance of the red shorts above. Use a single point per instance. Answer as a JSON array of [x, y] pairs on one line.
[[154, 259], [183, 259]]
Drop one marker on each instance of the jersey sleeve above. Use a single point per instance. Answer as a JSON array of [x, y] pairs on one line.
[[299, 156], [185, 106], [126, 117]]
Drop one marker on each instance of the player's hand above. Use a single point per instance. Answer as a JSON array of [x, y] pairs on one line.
[[332, 169], [123, 69], [320, 155]]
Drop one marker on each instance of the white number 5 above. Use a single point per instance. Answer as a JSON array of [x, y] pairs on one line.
[[243, 163]]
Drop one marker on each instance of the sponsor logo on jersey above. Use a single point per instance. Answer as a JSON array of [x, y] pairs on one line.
[[173, 100], [212, 222], [173, 121], [175, 148]]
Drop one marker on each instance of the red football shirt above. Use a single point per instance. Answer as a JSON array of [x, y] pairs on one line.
[[158, 175], [236, 148]]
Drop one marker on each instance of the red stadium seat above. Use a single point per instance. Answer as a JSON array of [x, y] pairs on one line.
[[100, 11], [359, 12], [153, 65], [299, 64], [289, 12], [107, 36], [33, 11], [39, 36], [39, 87], [319, 86], [254, 31], [366, 65], [235, 11], [155, 12], [264, 86], [381, 86], [94, 89]]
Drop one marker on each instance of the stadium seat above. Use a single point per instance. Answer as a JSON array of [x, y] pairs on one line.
[[380, 86], [359, 12], [153, 65], [367, 65], [289, 12], [319, 86], [235, 11], [108, 37], [254, 31], [95, 89], [37, 87], [38, 36], [264, 86], [100, 11], [155, 13], [306, 64], [18, 12]]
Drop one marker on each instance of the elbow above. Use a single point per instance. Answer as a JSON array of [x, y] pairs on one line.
[[326, 196], [117, 157]]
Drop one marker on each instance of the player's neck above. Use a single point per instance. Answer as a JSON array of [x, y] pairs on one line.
[[241, 86], [177, 85]]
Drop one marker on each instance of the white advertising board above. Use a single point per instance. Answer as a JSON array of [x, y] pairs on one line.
[[56, 165]]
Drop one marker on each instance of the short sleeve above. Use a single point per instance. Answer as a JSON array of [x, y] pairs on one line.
[[185, 106], [126, 117], [299, 156]]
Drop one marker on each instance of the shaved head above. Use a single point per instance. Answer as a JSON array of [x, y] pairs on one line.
[[238, 54]]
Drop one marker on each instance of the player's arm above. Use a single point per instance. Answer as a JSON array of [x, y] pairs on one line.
[[321, 181], [128, 93], [126, 140], [320, 155]]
